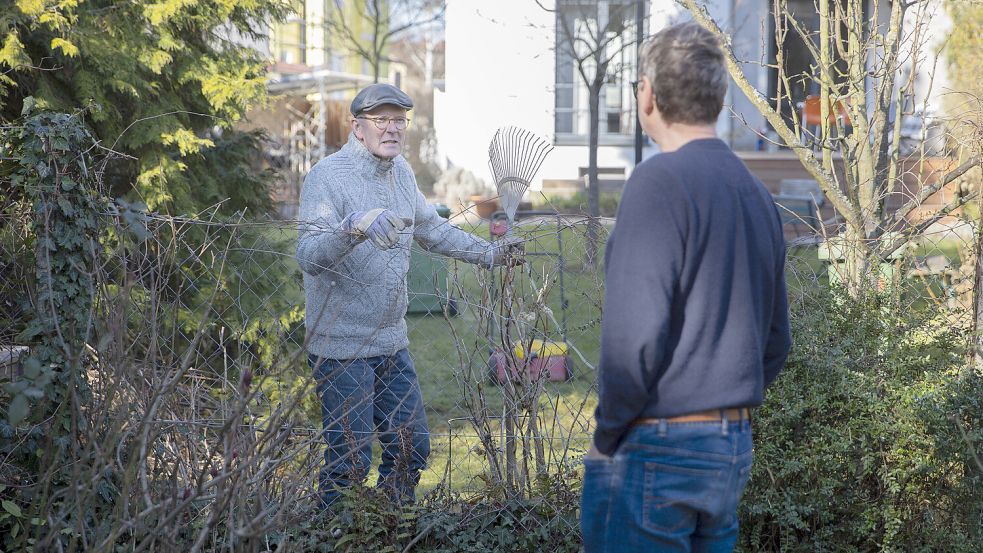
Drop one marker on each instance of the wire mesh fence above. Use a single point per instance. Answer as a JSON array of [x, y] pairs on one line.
[[198, 346], [254, 301], [198, 329]]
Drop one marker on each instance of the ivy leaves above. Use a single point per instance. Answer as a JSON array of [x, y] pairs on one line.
[[52, 170], [30, 388]]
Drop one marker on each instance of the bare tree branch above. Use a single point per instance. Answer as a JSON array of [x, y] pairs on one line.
[[886, 248], [825, 179], [377, 15], [927, 191]]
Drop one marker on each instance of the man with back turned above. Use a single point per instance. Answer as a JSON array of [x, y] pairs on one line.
[[695, 322]]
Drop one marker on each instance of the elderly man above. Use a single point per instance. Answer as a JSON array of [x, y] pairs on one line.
[[359, 209], [695, 321]]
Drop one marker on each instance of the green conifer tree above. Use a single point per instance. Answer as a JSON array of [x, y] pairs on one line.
[[162, 82]]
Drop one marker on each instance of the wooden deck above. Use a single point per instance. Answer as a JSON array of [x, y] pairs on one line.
[[772, 168]]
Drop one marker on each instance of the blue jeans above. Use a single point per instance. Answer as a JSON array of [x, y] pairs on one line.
[[668, 487], [359, 399]]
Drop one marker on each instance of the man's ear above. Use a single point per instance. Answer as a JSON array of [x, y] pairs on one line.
[[356, 129], [646, 100]]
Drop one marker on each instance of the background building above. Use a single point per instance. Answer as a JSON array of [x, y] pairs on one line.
[[321, 55], [506, 64]]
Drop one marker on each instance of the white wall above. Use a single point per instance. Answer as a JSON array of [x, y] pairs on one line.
[[932, 79], [498, 72], [500, 67], [746, 22]]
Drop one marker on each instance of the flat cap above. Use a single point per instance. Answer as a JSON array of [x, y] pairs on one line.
[[379, 94]]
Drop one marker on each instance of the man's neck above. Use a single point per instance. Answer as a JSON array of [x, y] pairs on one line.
[[675, 136]]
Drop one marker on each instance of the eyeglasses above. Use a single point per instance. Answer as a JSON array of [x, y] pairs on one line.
[[382, 123]]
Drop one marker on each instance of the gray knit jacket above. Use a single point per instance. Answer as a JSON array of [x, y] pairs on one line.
[[356, 294]]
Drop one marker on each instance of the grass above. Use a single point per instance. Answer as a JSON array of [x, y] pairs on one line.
[[443, 364]]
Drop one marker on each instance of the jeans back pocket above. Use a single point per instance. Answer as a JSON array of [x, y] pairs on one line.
[[673, 496]]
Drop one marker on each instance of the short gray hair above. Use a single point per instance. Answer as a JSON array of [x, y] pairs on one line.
[[685, 65]]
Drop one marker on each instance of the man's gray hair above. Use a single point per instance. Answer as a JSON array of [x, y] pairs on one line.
[[685, 65]]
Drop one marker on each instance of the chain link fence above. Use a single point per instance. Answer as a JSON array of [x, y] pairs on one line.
[[199, 330], [16, 267], [199, 333]]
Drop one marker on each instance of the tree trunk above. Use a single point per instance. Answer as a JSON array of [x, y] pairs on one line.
[[973, 466], [511, 463], [593, 189], [857, 266], [978, 298]]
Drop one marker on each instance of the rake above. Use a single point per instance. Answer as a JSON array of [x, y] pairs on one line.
[[514, 157]]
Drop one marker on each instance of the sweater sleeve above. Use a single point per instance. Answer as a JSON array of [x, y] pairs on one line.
[[642, 270], [437, 234], [780, 334], [321, 241]]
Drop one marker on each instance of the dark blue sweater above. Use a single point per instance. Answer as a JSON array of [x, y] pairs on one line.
[[695, 308]]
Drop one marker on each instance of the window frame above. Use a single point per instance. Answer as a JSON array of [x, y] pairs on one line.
[[622, 68]]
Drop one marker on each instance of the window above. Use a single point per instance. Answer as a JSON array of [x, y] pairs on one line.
[[289, 40], [609, 27], [799, 63]]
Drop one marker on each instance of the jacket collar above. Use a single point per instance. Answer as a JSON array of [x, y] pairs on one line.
[[365, 160]]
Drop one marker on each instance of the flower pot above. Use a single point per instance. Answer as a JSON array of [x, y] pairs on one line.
[[485, 206]]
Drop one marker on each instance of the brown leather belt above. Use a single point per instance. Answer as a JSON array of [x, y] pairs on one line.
[[734, 414]]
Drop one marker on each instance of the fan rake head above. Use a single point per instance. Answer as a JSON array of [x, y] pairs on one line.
[[514, 157]]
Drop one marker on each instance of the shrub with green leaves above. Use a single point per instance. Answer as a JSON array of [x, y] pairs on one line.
[[56, 175], [866, 440], [367, 520], [110, 287]]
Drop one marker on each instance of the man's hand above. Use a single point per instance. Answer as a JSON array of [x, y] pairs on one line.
[[509, 250], [381, 226], [593, 453]]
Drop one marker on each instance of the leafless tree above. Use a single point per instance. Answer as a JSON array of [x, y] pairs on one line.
[[366, 28], [593, 36], [524, 442], [864, 63]]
